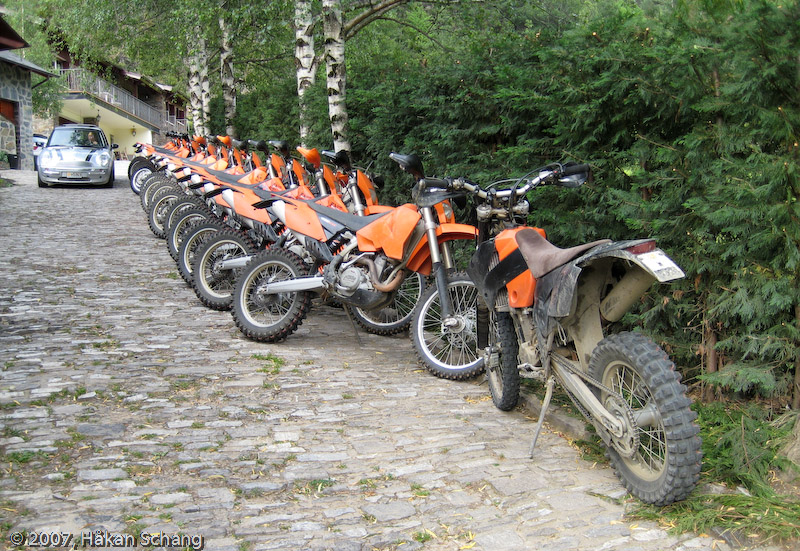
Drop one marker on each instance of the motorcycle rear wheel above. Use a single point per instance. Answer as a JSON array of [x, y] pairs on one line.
[[504, 377], [273, 317], [176, 209], [396, 317], [658, 458], [212, 284], [448, 353]]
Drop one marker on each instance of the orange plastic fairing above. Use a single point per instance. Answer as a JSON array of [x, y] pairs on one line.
[[272, 184], [302, 219], [521, 289], [243, 204], [420, 258], [278, 164], [327, 175], [332, 201], [311, 155], [254, 176], [367, 188], [390, 232]]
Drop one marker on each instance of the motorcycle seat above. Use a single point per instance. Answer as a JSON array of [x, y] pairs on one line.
[[542, 257]]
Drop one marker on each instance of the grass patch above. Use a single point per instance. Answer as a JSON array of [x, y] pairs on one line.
[[273, 365], [313, 486], [740, 450]]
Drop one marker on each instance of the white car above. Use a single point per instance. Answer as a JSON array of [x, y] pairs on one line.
[[77, 154], [39, 142]]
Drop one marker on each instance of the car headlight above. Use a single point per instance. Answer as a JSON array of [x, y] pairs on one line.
[[46, 159], [101, 159]]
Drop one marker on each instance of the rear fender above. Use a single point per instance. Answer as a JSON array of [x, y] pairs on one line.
[[609, 279]]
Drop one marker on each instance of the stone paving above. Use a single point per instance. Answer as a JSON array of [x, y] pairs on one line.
[[127, 409]]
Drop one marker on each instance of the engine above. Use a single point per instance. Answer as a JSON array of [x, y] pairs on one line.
[[351, 284]]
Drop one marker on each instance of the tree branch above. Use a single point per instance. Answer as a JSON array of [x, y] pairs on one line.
[[420, 31], [358, 22]]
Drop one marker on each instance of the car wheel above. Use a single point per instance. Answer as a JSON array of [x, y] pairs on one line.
[[110, 182], [41, 184]]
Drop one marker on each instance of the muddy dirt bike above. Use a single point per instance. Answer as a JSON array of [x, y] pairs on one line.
[[362, 260], [550, 313]]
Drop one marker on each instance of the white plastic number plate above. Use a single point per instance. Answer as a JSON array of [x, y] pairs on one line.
[[661, 265]]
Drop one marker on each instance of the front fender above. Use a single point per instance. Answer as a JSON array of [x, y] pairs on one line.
[[420, 258]]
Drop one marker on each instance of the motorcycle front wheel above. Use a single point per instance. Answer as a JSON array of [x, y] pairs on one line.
[[658, 455], [213, 284], [396, 317], [449, 352], [270, 317], [139, 172], [159, 206], [193, 236], [504, 377], [180, 225]]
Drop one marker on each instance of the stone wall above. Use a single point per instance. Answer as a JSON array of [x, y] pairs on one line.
[[15, 85], [8, 136]]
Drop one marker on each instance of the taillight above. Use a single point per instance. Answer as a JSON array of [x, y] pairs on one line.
[[642, 248]]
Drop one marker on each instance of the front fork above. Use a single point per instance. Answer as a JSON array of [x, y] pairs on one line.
[[440, 263]]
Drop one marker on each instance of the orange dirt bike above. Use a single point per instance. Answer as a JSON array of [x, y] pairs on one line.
[[230, 198], [362, 261], [552, 313], [145, 161], [218, 261]]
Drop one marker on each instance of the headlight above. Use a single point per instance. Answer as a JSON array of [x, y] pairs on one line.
[[101, 159], [448, 211], [46, 159]]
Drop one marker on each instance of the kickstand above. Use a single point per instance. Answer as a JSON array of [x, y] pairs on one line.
[[545, 404], [355, 327]]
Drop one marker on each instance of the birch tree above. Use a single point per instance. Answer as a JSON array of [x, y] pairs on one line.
[[199, 86], [337, 29], [333, 29], [306, 61], [226, 69]]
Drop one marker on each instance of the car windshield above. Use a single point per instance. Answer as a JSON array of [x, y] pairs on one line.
[[81, 137]]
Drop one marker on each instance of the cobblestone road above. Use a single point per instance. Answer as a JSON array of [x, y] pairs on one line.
[[128, 407]]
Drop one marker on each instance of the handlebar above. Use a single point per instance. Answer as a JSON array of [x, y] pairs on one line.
[[524, 184]]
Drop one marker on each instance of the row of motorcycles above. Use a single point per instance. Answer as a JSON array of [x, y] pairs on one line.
[[260, 230]]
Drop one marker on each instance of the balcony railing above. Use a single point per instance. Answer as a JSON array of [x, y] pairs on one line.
[[80, 80]]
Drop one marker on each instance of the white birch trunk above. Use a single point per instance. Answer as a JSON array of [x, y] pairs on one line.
[[194, 94], [196, 62], [226, 73], [205, 86], [305, 61], [333, 21]]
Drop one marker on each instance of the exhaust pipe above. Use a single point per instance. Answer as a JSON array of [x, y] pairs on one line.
[[235, 263], [308, 283]]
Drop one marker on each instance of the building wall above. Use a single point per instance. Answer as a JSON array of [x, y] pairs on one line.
[[15, 86]]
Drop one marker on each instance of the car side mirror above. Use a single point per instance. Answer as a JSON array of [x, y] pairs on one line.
[[114, 146]]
